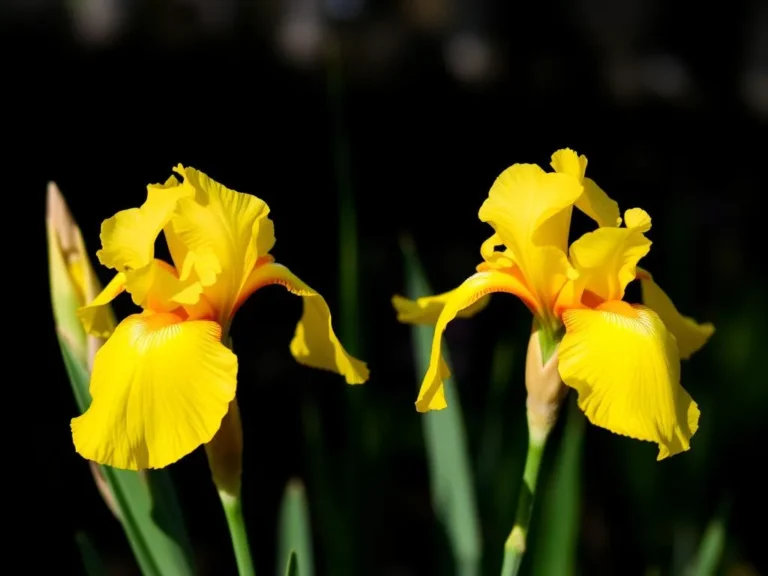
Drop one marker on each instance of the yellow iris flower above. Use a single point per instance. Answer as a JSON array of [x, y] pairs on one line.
[[622, 359], [164, 379]]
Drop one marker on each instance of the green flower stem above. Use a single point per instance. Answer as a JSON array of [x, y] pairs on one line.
[[514, 547], [233, 510]]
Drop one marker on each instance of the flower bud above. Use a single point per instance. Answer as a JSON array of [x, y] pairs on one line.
[[73, 282], [225, 454], [545, 389]]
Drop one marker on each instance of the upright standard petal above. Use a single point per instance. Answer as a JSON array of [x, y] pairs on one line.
[[160, 389], [690, 335], [606, 259], [594, 202], [625, 366], [315, 344], [222, 233], [530, 211], [474, 288], [128, 238]]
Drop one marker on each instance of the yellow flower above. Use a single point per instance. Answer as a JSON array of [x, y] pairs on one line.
[[622, 359], [164, 380]]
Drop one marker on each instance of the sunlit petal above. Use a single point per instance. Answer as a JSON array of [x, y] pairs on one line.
[[606, 259], [474, 288], [690, 335], [160, 389], [128, 238], [314, 344], [625, 366], [218, 234], [594, 202], [530, 211], [97, 317]]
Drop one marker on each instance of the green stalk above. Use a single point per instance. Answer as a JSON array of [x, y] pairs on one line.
[[514, 547], [233, 510]]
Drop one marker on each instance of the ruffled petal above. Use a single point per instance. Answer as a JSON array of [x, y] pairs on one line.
[[594, 202], [606, 259], [625, 366], [160, 389], [219, 234]]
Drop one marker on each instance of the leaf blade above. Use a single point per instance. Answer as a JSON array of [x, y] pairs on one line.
[[295, 535], [451, 479]]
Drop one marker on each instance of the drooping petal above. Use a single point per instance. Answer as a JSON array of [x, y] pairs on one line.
[[314, 344], [160, 389], [97, 317], [477, 286], [128, 238], [606, 259], [594, 202], [625, 366], [690, 335], [427, 309], [530, 211], [219, 234]]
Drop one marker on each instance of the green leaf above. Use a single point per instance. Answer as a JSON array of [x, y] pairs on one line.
[[292, 569], [295, 535], [555, 540], [712, 544], [145, 502], [453, 491], [92, 562]]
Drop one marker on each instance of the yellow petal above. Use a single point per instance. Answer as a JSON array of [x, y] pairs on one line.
[[223, 234], [625, 366], [427, 309], [566, 161], [477, 286], [157, 287], [128, 238], [594, 202], [606, 259], [494, 259], [314, 344], [530, 211], [96, 317], [160, 389], [690, 335]]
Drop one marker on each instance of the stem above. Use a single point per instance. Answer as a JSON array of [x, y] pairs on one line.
[[514, 547], [233, 510]]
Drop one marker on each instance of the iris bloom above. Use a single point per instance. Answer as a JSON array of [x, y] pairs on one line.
[[164, 379], [623, 359]]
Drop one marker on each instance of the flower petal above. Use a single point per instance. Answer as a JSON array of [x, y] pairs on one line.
[[128, 238], [97, 317], [530, 211], [606, 258], [427, 309], [157, 287], [224, 233], [690, 335], [474, 288], [625, 366], [593, 201], [315, 344], [160, 389]]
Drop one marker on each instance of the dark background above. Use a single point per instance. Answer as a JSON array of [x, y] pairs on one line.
[[669, 102]]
